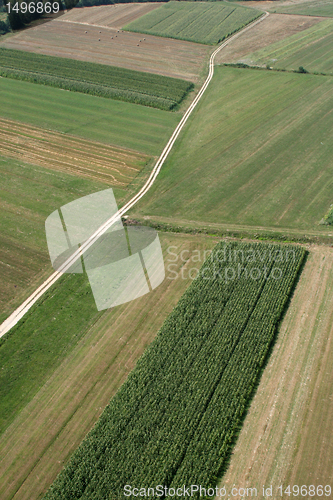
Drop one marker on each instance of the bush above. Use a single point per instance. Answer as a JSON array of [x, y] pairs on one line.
[[302, 70]]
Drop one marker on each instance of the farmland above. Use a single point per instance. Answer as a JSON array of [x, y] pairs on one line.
[[118, 123], [200, 22], [111, 16], [28, 195], [122, 125], [308, 8], [42, 170], [58, 323], [177, 369], [68, 39], [248, 159], [91, 370], [96, 79], [163, 426], [287, 435], [106, 164], [274, 28], [312, 49]]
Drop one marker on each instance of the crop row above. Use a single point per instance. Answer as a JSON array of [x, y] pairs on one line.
[[97, 79], [174, 419], [200, 22]]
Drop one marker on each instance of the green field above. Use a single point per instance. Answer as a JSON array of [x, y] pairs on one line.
[[312, 49], [174, 420], [35, 347], [314, 8], [106, 120], [257, 151], [97, 79], [28, 194], [202, 22]]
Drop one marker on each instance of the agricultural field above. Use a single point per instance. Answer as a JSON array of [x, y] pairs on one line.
[[274, 28], [287, 434], [105, 45], [200, 22], [44, 168], [222, 374], [78, 385], [111, 16], [312, 49], [116, 123], [28, 194], [256, 152], [174, 419], [108, 165], [96, 79], [308, 8]]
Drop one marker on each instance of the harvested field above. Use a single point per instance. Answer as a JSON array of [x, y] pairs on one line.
[[178, 59], [103, 163], [274, 28], [112, 16], [42, 437], [287, 435]]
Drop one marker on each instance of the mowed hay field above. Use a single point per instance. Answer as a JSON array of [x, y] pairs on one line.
[[274, 28], [70, 398], [287, 435], [307, 8], [202, 22], [257, 151], [312, 49], [111, 165], [117, 123], [178, 59]]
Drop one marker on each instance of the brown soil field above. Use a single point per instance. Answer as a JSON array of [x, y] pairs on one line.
[[163, 56], [108, 164], [112, 16], [274, 28], [39, 442], [287, 435]]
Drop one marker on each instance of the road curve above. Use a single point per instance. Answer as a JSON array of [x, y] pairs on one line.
[[28, 303]]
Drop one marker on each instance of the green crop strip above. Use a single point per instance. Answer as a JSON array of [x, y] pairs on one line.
[[202, 22], [174, 420], [96, 79]]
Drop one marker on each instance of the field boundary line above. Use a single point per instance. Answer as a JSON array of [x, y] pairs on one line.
[[18, 314]]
